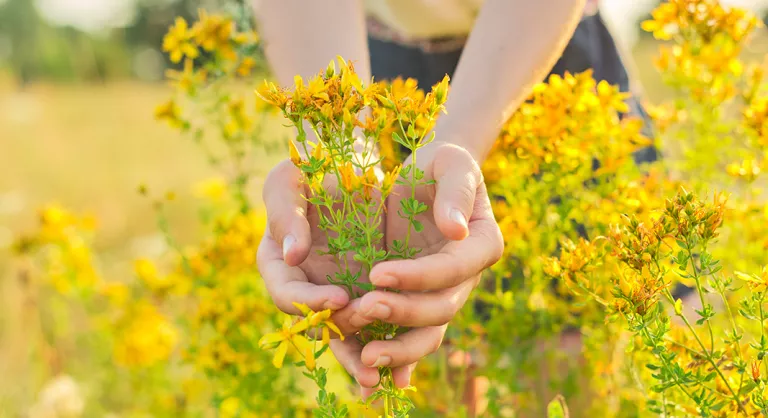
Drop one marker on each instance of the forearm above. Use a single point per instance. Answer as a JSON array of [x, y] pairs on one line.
[[514, 45], [302, 37]]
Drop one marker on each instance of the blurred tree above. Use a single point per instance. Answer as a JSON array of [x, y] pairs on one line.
[[41, 50], [20, 22]]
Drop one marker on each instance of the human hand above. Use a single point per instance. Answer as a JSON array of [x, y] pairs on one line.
[[459, 240], [288, 256]]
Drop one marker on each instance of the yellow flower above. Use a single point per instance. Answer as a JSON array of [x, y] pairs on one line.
[[169, 111], [293, 152], [389, 180], [116, 293], [289, 335], [246, 66], [187, 80], [272, 94], [214, 188], [349, 180], [213, 33], [177, 42], [230, 407], [323, 318], [440, 91], [147, 339], [320, 319]]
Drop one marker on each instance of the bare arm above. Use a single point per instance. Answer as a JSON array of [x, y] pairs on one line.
[[514, 45], [302, 37]]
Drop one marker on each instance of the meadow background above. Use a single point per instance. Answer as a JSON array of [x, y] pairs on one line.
[[79, 80]]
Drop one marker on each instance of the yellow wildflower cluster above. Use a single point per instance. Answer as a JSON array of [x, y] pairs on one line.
[[548, 131], [63, 242], [146, 338], [211, 33], [709, 39], [206, 98]]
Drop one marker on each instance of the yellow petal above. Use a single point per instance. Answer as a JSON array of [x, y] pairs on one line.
[[326, 336], [303, 308], [309, 358], [301, 343], [300, 326], [335, 329], [294, 153], [277, 361], [270, 339]]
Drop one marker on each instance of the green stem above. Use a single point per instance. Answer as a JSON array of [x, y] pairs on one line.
[[700, 291], [708, 355]]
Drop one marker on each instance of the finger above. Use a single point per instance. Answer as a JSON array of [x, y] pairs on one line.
[[366, 393], [402, 375], [347, 352], [454, 263], [414, 309], [457, 177], [351, 319], [287, 212], [404, 349], [287, 284]]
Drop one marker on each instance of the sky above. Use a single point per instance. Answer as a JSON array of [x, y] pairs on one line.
[[87, 15]]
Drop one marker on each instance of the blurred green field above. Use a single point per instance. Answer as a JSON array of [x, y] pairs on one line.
[[87, 147]]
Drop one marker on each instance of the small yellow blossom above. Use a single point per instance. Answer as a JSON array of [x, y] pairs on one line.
[[178, 41], [289, 335]]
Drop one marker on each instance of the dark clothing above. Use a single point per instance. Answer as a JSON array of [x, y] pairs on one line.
[[591, 46]]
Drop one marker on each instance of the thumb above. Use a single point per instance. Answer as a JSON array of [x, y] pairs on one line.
[[457, 178], [287, 212]]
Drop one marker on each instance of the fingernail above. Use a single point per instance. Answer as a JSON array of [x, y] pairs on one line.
[[382, 361], [288, 242], [379, 311], [332, 305], [385, 281], [458, 217]]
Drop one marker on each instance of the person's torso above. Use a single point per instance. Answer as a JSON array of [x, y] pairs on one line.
[[433, 18]]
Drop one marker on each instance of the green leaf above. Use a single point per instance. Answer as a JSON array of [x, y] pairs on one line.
[[412, 132], [399, 139], [418, 226], [557, 408], [368, 287], [321, 351]]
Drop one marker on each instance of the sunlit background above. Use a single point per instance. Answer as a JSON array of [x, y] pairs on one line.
[[79, 80]]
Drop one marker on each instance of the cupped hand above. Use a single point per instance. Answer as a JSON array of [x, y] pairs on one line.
[[460, 239], [288, 257]]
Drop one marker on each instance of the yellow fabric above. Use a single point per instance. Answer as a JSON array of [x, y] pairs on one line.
[[425, 19]]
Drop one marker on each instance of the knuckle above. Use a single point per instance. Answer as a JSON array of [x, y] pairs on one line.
[[466, 192], [492, 235], [278, 177]]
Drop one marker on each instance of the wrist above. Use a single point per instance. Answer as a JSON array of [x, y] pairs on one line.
[[476, 140]]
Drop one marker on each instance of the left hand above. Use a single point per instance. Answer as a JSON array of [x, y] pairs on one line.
[[460, 239]]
